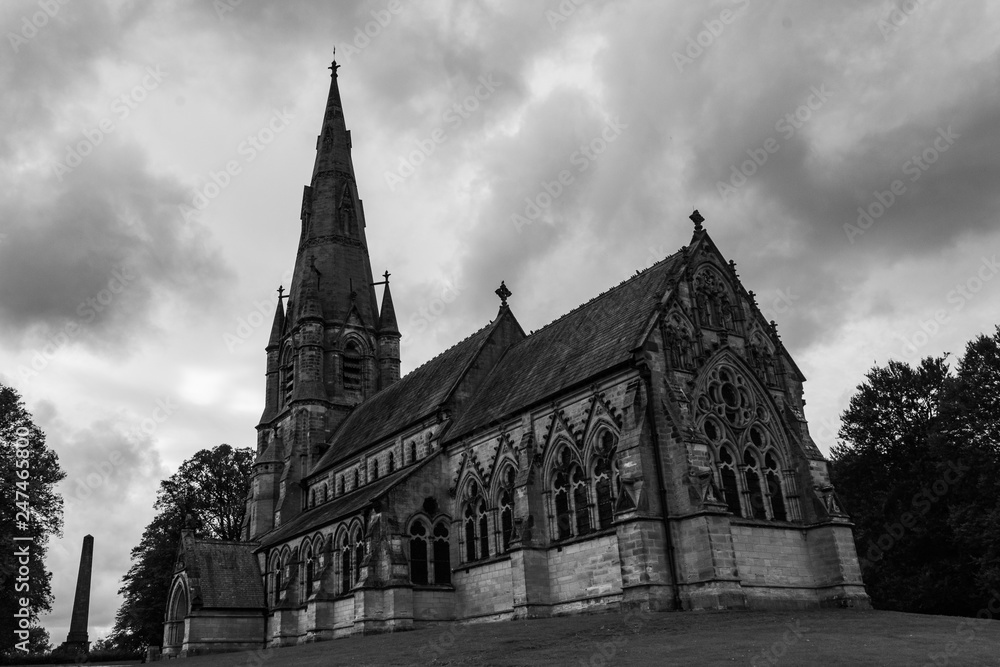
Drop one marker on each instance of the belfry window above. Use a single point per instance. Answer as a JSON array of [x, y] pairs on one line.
[[352, 367], [287, 376]]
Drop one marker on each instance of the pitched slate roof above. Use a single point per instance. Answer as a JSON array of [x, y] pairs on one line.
[[226, 572], [415, 396], [345, 505], [593, 338]]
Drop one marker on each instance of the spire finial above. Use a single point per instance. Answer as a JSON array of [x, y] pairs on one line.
[[334, 66], [503, 293], [281, 293], [697, 220], [386, 276]]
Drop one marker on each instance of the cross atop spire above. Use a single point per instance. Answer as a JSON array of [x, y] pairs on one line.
[[503, 293], [334, 66]]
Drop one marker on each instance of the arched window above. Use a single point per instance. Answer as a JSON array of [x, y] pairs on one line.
[[392, 463], [571, 498], [752, 476], [505, 508], [606, 478], [730, 487], [345, 564], [773, 476], [418, 553], [340, 485], [309, 571], [357, 477], [560, 488], [359, 552], [278, 579], [581, 501], [374, 469], [352, 367], [325, 497], [442, 554], [477, 539], [413, 451]]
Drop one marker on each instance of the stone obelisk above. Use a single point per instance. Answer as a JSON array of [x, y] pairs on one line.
[[76, 640]]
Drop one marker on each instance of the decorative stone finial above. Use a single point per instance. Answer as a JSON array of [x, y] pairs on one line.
[[334, 66], [697, 220], [503, 293]]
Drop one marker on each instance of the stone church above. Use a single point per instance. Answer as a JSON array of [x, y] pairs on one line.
[[647, 450]]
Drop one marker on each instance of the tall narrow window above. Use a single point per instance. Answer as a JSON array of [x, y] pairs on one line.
[[774, 488], [413, 451], [309, 567], [325, 496], [484, 530], [730, 486], [352, 367], [287, 375], [581, 502], [605, 479], [505, 506], [359, 555], [564, 518], [470, 533], [752, 476], [476, 524], [418, 553], [357, 478], [392, 463], [277, 581], [345, 565], [375, 469], [442, 554]]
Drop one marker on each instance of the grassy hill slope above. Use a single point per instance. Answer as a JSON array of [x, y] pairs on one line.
[[829, 637]]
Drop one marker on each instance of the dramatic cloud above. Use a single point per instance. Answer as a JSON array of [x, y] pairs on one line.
[[558, 146]]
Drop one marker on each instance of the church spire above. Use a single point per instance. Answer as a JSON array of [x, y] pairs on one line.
[[332, 242]]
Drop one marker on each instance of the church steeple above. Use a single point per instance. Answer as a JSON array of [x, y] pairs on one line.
[[333, 227]]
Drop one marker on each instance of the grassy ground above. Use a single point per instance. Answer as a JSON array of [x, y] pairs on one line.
[[832, 637]]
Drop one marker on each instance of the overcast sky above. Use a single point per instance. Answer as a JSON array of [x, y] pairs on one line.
[[132, 280]]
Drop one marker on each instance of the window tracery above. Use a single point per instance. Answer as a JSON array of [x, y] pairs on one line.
[[476, 524], [747, 456]]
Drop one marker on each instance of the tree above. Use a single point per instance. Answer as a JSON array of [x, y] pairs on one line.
[[208, 492], [918, 467], [29, 508]]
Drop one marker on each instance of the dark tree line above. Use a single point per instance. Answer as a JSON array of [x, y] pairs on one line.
[[918, 468], [29, 507], [208, 493]]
